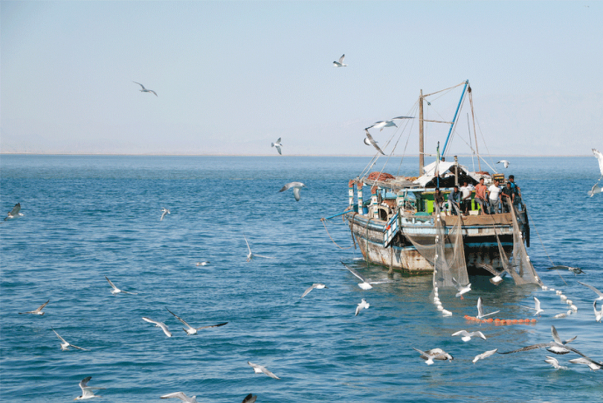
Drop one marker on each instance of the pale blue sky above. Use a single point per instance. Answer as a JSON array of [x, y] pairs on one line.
[[234, 76]]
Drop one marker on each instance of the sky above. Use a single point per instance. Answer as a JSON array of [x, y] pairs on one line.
[[232, 77]]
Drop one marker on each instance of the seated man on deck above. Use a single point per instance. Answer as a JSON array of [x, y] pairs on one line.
[[454, 200], [481, 192], [494, 198], [438, 199], [507, 197]]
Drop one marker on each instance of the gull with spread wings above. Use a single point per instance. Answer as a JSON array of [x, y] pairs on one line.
[[191, 330], [37, 311], [65, 344], [116, 290], [251, 255], [365, 285]]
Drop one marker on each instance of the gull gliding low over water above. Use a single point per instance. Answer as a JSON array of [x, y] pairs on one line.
[[296, 188], [14, 212], [467, 336], [116, 290], [278, 145], [575, 270], [498, 276], [504, 162], [599, 293], [318, 286], [65, 344], [251, 255], [259, 369], [250, 398], [387, 123], [462, 289], [594, 365], [434, 354], [372, 141], [598, 315], [191, 330], [484, 355], [340, 62], [556, 346], [181, 396], [144, 89], [365, 285], [164, 212], [362, 305], [159, 324], [87, 391], [480, 309], [553, 361], [38, 311]]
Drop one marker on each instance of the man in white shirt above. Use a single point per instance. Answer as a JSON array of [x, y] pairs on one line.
[[494, 197], [466, 197]]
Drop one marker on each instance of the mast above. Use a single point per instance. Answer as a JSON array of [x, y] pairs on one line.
[[421, 148]]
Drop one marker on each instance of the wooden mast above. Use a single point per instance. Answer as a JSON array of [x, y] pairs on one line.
[[421, 148]]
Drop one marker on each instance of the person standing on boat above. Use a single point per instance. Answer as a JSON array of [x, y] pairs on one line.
[[517, 191], [454, 200], [466, 191], [507, 197], [494, 198], [481, 196]]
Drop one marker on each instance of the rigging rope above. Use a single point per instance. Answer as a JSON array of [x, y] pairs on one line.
[[325, 225]]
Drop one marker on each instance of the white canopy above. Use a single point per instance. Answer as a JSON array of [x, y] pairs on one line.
[[442, 166]]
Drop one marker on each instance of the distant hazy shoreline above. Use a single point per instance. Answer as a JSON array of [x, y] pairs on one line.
[[277, 156]]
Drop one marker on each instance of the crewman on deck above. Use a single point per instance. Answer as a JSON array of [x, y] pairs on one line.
[[494, 198], [517, 191], [481, 192], [507, 197], [466, 191], [438, 198], [454, 200]]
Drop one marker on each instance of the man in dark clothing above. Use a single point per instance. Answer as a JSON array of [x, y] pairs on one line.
[[517, 191], [438, 198], [454, 200], [507, 198]]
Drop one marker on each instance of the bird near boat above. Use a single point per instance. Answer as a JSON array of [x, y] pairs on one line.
[[278, 145], [181, 396], [592, 364], [480, 309], [462, 289], [37, 311], [164, 211], [599, 293], [387, 123], [498, 276], [116, 290], [553, 361], [598, 315], [296, 186], [318, 286], [537, 307], [251, 255], [466, 336], [189, 330], [14, 213], [250, 398], [259, 369], [144, 89], [434, 354], [340, 62], [362, 305], [87, 391], [65, 344], [160, 325], [575, 270], [504, 162], [372, 141], [556, 346], [365, 285], [484, 355]]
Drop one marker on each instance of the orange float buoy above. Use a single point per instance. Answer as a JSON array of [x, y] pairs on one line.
[[490, 320], [533, 320], [514, 321]]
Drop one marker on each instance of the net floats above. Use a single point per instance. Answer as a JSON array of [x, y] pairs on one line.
[[499, 322]]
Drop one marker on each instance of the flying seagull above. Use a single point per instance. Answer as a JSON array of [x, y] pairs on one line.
[[575, 270], [87, 391], [504, 162], [365, 285], [250, 398], [553, 361], [159, 324], [144, 89], [362, 305], [116, 290], [387, 123], [318, 286], [372, 141], [536, 307], [484, 355], [37, 311], [181, 396], [434, 354], [251, 255], [191, 330], [498, 276], [340, 62], [278, 145], [600, 160], [258, 369], [594, 365], [599, 293], [598, 315], [14, 212], [164, 212], [556, 346], [467, 336], [462, 289], [65, 344], [296, 188], [593, 191], [480, 309]]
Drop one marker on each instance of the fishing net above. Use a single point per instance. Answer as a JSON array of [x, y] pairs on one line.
[[521, 263]]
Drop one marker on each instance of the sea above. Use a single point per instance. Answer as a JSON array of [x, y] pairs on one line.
[[87, 217]]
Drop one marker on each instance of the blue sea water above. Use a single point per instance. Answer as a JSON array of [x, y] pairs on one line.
[[86, 217]]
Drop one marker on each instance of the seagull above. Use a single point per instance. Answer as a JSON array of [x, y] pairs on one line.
[[296, 188], [191, 330], [65, 344], [594, 365], [181, 396], [480, 309], [258, 369], [251, 255], [536, 307], [362, 305], [598, 315], [556, 346], [37, 311], [371, 141], [164, 211], [434, 354], [278, 145], [159, 324], [463, 289], [14, 212], [144, 89], [203, 263], [595, 189], [497, 279], [365, 285], [575, 270], [553, 361], [599, 293], [484, 355], [250, 398], [87, 391], [504, 162], [340, 62], [318, 286], [116, 290], [600, 159], [387, 123], [467, 336]]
